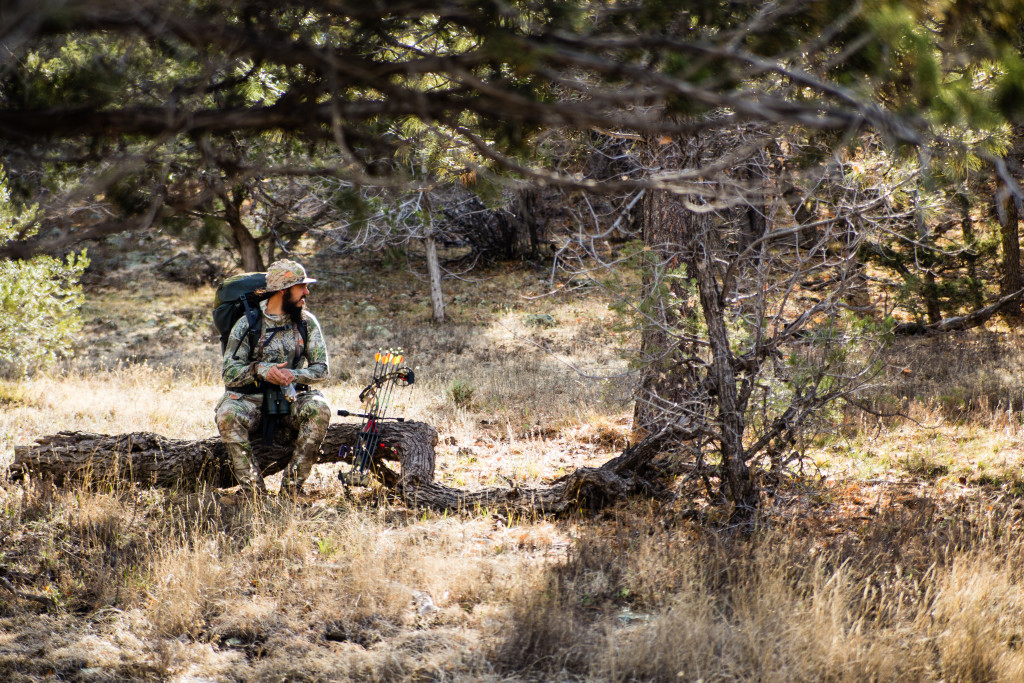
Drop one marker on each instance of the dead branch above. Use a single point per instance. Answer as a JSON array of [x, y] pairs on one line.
[[591, 487], [960, 322], [41, 599]]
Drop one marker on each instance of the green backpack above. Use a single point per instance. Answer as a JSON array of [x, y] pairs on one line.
[[236, 297]]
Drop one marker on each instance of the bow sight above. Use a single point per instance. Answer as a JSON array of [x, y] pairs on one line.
[[387, 374]]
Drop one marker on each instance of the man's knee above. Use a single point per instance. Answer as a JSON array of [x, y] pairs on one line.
[[315, 412], [234, 421]]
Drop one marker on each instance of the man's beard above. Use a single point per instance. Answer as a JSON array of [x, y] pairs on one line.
[[292, 308]]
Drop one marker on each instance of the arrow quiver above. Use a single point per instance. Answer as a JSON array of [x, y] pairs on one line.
[[388, 373]]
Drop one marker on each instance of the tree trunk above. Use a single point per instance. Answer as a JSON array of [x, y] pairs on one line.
[[527, 228], [434, 269], [738, 484], [971, 251], [928, 260], [247, 246], [272, 237], [930, 291], [1009, 218], [689, 374], [667, 380], [755, 225]]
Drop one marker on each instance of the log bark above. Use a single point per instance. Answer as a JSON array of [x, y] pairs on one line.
[[155, 460]]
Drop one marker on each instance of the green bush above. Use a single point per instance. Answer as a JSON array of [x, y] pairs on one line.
[[39, 297]]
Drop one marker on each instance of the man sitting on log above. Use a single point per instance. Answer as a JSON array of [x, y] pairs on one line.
[[270, 381]]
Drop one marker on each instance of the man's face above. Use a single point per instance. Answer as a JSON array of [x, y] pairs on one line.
[[295, 300], [296, 295]]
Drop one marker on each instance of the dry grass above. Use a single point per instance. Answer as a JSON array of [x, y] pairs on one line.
[[909, 599], [897, 556], [967, 375], [962, 401], [278, 592], [249, 590]]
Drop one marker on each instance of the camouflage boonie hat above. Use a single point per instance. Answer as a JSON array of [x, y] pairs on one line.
[[284, 274]]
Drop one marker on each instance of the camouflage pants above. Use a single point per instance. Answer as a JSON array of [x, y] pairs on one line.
[[239, 414]]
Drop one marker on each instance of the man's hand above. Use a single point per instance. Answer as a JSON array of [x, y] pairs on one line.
[[280, 375]]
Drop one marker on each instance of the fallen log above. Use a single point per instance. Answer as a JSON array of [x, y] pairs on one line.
[[155, 460], [591, 487]]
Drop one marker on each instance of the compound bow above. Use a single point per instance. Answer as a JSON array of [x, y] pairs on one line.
[[387, 374]]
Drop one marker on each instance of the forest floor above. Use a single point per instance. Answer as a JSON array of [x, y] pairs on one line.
[[892, 552]]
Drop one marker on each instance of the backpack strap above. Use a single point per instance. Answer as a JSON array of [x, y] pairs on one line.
[[254, 318], [304, 333]]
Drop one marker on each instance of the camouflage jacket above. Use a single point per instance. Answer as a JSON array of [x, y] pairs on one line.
[[275, 346]]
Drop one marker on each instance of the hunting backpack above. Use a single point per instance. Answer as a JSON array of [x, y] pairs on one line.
[[236, 297]]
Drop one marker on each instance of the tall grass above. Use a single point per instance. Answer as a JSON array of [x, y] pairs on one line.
[[272, 581], [962, 376]]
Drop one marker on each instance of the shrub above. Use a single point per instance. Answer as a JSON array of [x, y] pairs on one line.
[[460, 393], [39, 297]]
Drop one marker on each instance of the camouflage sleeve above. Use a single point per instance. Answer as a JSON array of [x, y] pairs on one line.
[[237, 370], [318, 367]]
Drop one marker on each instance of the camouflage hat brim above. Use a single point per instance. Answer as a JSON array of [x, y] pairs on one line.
[[303, 281], [271, 290], [268, 290]]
